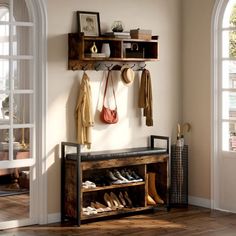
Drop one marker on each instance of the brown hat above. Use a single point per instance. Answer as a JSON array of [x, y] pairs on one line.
[[127, 75]]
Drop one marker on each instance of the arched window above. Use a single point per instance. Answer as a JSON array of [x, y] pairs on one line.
[[17, 87], [228, 77], [224, 105], [22, 102], [4, 50]]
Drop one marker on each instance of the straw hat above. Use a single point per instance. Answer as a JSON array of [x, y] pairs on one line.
[[127, 75]]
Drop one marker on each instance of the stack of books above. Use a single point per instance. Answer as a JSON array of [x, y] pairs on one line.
[[95, 55], [121, 35]]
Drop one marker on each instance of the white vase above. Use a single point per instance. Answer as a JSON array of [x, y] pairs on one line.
[[106, 49]]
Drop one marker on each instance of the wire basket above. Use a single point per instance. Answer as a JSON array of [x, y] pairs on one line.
[[179, 176]]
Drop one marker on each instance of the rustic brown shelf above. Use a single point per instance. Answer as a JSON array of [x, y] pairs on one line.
[[79, 46], [80, 167], [114, 186]]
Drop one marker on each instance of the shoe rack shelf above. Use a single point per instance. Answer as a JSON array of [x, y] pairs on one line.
[[110, 187], [117, 212], [79, 167], [79, 55]]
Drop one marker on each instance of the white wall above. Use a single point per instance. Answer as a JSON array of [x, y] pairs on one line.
[[163, 18]]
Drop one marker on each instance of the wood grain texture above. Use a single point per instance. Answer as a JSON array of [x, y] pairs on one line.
[[119, 162], [177, 222], [14, 207], [91, 169]]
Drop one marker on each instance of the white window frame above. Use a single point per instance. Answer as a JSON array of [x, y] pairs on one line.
[[11, 163], [216, 97], [39, 188]]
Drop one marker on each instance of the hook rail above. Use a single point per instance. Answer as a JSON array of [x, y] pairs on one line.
[[109, 67]]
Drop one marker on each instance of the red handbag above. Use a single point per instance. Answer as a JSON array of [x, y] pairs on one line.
[[108, 115]]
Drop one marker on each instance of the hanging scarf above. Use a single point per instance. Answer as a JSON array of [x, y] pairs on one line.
[[145, 97]]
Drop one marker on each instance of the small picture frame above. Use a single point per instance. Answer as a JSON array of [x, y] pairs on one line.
[[88, 23]]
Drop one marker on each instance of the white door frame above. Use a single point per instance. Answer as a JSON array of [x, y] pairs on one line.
[[41, 18], [214, 104], [39, 185], [215, 60]]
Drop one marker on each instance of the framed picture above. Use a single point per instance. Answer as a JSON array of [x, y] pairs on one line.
[[89, 23]]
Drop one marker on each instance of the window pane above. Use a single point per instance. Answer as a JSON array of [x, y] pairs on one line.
[[22, 72], [4, 145], [229, 44], [229, 136], [23, 104], [229, 74], [22, 144], [229, 105], [4, 40], [20, 11], [4, 75], [4, 13], [5, 108], [22, 38], [229, 19]]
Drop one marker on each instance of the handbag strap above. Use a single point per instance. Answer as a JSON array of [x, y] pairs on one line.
[[105, 91]]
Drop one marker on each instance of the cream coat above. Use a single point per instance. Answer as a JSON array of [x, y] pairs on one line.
[[84, 113]]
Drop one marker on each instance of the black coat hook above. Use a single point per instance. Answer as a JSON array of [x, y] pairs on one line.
[[142, 67], [109, 67], [84, 67], [97, 67]]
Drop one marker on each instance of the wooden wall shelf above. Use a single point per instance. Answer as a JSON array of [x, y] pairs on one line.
[[79, 50]]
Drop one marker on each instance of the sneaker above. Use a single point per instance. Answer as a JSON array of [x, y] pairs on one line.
[[136, 177], [118, 175], [127, 175], [88, 184], [111, 176]]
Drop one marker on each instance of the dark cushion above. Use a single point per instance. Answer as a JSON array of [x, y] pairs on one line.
[[121, 153]]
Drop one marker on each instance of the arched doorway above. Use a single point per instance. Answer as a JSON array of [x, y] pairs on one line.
[[224, 106], [23, 112]]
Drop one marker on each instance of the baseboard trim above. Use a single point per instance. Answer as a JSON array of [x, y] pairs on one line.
[[54, 218], [197, 201]]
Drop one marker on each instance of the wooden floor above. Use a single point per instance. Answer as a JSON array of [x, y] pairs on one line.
[[14, 207], [177, 222]]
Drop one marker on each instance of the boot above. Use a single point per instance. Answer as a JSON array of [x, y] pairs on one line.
[[152, 188]]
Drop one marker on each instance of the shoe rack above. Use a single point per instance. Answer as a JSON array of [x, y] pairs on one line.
[[150, 164]]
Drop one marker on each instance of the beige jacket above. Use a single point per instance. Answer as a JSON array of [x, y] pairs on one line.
[[84, 113], [145, 97]]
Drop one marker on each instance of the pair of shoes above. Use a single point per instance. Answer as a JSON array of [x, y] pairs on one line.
[[125, 198], [112, 201], [121, 197], [119, 176], [113, 178], [101, 180], [127, 175], [123, 176], [88, 184], [152, 192], [134, 175], [100, 207], [89, 211]]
